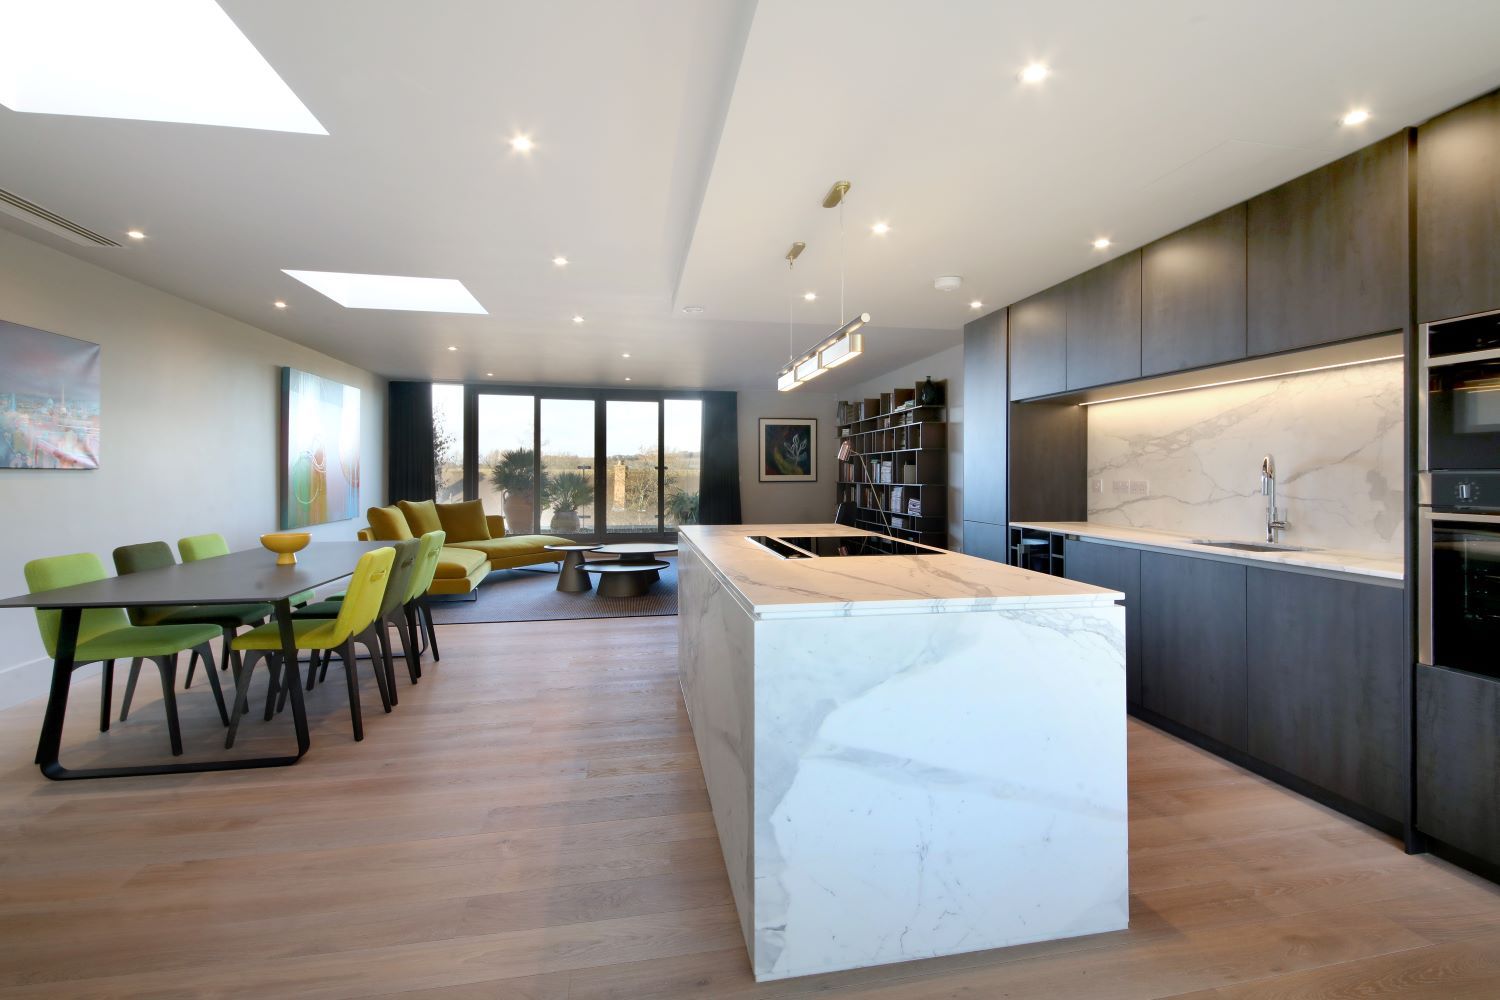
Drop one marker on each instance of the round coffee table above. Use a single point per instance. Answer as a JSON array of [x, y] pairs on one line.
[[638, 554], [571, 579], [624, 579]]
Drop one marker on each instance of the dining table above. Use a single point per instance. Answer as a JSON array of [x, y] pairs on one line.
[[251, 576]]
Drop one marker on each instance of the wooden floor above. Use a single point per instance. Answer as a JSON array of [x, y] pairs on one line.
[[531, 823]]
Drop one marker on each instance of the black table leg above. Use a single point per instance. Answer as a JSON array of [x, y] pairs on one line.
[[293, 674], [50, 744]]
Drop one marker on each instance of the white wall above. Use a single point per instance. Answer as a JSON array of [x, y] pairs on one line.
[[787, 503], [189, 428], [948, 364]]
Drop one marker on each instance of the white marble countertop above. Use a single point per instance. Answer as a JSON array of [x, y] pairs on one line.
[[769, 586], [1327, 560]]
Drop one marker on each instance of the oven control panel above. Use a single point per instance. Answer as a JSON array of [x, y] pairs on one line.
[[1470, 490]]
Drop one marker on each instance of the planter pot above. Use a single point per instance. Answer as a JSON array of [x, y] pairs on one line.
[[520, 515], [564, 521]]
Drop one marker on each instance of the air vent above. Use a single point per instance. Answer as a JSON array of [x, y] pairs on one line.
[[14, 204]]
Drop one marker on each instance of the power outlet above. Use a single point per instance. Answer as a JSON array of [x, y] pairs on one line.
[[1096, 486], [1139, 487], [1119, 486]]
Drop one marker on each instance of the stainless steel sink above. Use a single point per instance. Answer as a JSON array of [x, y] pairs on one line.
[[1250, 546]]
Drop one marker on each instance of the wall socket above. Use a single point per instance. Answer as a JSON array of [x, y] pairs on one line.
[[1139, 487], [1096, 486], [1119, 486]]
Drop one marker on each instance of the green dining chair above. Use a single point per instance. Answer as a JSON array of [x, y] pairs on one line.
[[416, 604], [357, 611], [391, 613], [106, 635], [230, 618], [211, 546]]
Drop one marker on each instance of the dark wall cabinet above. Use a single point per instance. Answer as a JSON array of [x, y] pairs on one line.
[[1327, 670], [1193, 644], [985, 409], [1103, 321], [1458, 760], [1458, 211], [1038, 344], [1119, 569], [1193, 295], [1327, 253]]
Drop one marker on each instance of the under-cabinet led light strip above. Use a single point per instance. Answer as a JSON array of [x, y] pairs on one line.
[[1237, 381]]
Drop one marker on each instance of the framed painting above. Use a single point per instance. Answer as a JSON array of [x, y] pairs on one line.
[[319, 450], [788, 450], [49, 400]]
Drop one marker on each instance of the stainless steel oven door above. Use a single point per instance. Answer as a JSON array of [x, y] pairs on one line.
[[1458, 591]]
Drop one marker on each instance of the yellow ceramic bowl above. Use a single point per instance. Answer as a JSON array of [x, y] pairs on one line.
[[286, 545]]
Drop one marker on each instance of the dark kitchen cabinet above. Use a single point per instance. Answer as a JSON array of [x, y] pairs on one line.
[[1103, 321], [984, 540], [1119, 569], [985, 409], [1193, 644], [1327, 664], [1458, 211], [1326, 253], [1193, 295], [1458, 760], [1038, 344]]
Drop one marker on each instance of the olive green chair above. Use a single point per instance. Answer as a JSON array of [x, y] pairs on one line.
[[211, 546], [416, 605], [106, 635], [356, 613], [230, 618]]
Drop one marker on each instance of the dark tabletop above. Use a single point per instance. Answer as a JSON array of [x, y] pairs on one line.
[[247, 577], [637, 548]]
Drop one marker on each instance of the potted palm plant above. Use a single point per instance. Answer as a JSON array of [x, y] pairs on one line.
[[682, 506], [514, 475], [565, 493]]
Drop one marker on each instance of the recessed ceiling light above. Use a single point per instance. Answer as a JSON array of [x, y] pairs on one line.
[[627, 378], [560, 260], [625, 355], [976, 304], [489, 374], [451, 348], [522, 143], [126, 60], [692, 310], [1035, 73], [1102, 243], [279, 304], [135, 234], [1356, 117], [391, 291], [880, 228], [578, 319], [810, 296]]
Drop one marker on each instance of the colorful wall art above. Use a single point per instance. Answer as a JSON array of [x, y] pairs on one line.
[[49, 400], [319, 450], [788, 450]]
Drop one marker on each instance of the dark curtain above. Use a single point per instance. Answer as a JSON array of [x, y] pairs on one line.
[[409, 466], [719, 482]]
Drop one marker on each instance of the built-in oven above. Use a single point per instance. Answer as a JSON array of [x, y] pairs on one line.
[[1458, 613], [1459, 410]]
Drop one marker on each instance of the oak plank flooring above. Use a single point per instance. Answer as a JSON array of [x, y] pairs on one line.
[[531, 823]]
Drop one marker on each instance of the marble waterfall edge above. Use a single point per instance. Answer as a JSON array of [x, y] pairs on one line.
[[889, 788]]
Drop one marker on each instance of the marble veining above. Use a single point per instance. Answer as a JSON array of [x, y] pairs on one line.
[[1336, 436]]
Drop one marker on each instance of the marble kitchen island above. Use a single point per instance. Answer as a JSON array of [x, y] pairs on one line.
[[907, 755]]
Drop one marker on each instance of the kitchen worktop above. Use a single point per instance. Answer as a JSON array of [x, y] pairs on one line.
[[1324, 560], [769, 586]]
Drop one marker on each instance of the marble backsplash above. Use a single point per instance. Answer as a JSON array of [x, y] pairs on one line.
[[1336, 437]]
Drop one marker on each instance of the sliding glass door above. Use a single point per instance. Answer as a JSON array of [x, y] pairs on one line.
[[589, 464]]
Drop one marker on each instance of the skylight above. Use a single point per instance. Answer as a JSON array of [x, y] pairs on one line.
[[390, 291], [164, 61]]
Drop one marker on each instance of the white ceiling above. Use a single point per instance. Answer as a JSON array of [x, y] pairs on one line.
[[682, 145]]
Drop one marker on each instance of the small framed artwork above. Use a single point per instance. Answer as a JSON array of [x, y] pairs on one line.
[[788, 450]]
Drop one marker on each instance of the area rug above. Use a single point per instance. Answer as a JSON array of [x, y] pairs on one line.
[[518, 595]]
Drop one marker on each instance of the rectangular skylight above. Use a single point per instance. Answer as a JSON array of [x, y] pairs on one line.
[[164, 61], [390, 291]]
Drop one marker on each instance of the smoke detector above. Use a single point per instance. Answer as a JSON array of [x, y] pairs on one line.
[[947, 282]]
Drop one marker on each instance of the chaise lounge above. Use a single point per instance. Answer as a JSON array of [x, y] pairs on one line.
[[477, 543]]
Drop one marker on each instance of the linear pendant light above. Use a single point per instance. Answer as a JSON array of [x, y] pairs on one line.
[[844, 344]]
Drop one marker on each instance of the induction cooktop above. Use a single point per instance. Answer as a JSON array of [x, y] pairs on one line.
[[838, 546]]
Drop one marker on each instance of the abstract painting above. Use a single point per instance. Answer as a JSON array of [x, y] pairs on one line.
[[319, 450], [788, 450], [49, 400]]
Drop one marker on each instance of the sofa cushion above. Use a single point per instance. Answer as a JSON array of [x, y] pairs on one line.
[[515, 545], [464, 522], [421, 516], [496, 525], [456, 563], [388, 524]]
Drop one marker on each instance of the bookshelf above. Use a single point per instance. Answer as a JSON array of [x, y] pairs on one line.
[[906, 447]]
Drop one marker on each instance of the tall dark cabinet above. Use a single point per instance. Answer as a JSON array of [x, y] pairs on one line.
[[1103, 323], [985, 410], [1458, 211], [1327, 253], [1193, 295]]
